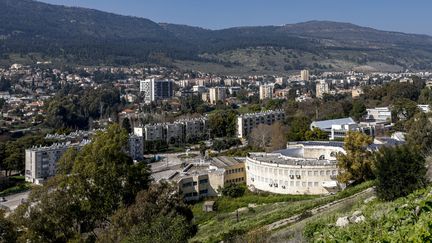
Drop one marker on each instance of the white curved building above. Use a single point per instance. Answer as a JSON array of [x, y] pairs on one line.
[[302, 168]]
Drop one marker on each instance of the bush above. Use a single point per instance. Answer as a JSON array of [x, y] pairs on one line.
[[399, 171], [234, 190]]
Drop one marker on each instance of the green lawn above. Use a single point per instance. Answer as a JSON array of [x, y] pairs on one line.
[[16, 189], [223, 224]]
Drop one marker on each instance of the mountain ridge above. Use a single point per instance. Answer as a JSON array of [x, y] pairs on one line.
[[88, 36]]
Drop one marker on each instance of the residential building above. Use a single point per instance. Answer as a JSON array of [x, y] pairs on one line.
[[304, 75], [322, 87], [379, 114], [41, 162], [247, 122], [156, 89], [266, 91], [136, 147], [217, 94], [184, 130]]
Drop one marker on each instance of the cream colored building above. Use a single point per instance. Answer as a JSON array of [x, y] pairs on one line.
[[302, 168], [304, 75], [266, 91], [217, 94], [322, 87], [247, 122]]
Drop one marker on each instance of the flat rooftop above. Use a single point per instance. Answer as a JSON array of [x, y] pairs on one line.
[[224, 161], [278, 158]]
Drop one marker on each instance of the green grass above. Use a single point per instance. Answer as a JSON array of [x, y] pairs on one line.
[[16, 189], [407, 219], [221, 225]]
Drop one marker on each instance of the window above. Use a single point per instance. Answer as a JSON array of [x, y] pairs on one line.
[[315, 184], [203, 181], [327, 172], [321, 172], [203, 191], [309, 173], [195, 183], [303, 184], [187, 184], [309, 184], [315, 173]]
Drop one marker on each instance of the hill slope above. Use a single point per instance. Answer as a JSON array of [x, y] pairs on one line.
[[85, 36]]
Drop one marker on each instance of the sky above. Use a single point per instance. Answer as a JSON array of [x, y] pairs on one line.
[[410, 16]]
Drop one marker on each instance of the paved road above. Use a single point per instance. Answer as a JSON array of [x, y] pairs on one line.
[[171, 160], [13, 201]]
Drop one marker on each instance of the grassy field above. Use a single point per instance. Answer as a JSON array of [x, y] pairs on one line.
[[224, 223]]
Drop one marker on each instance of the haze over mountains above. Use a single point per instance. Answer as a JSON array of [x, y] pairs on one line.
[[35, 31]]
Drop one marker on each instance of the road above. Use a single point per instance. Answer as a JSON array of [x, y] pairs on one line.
[[14, 200], [171, 160]]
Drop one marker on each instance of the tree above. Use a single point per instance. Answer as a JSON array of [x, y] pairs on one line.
[[260, 136], [127, 125], [315, 134], [158, 215], [233, 190], [358, 110], [278, 136], [222, 123], [404, 109], [90, 186], [357, 163], [399, 171], [420, 132], [8, 230], [268, 137], [298, 127]]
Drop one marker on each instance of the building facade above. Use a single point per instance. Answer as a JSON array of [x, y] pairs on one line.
[[184, 130], [217, 94], [156, 89], [247, 122], [322, 87], [41, 162], [304, 75], [303, 168], [266, 91]]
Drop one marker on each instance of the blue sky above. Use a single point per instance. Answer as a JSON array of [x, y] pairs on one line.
[[411, 16]]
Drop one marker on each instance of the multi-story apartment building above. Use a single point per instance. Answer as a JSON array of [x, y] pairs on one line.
[[322, 87], [179, 131], [217, 94], [136, 147], [247, 122], [304, 75], [156, 89], [41, 162], [266, 91], [379, 114]]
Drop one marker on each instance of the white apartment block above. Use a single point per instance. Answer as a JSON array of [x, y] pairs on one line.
[[247, 122], [156, 89], [266, 91], [217, 94], [379, 114], [179, 131], [322, 87], [41, 162], [304, 75]]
